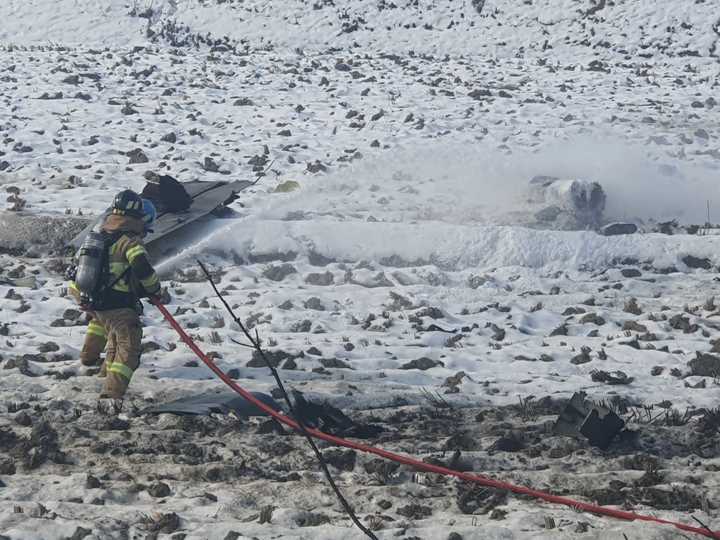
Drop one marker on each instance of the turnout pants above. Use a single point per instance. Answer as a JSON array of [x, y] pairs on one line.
[[124, 335]]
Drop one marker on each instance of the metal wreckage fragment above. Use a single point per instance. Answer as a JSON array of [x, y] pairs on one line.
[[582, 418]]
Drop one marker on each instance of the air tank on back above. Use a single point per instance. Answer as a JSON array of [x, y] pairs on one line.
[[90, 261]]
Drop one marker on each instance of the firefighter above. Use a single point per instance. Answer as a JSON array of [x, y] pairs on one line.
[[115, 305], [95, 335]]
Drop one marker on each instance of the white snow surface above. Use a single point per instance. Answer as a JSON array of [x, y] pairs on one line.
[[412, 130], [501, 28]]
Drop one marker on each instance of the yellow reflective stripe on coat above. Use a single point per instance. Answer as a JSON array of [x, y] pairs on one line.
[[116, 270], [135, 252], [72, 285], [120, 369], [150, 283], [96, 329]]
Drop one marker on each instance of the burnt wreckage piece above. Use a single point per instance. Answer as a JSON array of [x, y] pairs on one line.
[[598, 424], [331, 420], [568, 204]]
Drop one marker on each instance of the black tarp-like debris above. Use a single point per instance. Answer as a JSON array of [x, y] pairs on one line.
[[167, 194]]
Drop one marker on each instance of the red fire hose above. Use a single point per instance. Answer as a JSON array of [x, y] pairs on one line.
[[417, 464]]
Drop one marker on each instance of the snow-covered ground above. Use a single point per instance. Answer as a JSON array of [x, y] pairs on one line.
[[399, 265]]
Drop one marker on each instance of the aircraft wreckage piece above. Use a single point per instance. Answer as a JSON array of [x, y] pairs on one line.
[[322, 416], [567, 204], [33, 235], [215, 403], [581, 417], [204, 198]]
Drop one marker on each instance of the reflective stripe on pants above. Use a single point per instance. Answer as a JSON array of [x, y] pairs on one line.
[[94, 344], [120, 369]]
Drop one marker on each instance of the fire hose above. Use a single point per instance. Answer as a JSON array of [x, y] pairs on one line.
[[420, 465]]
